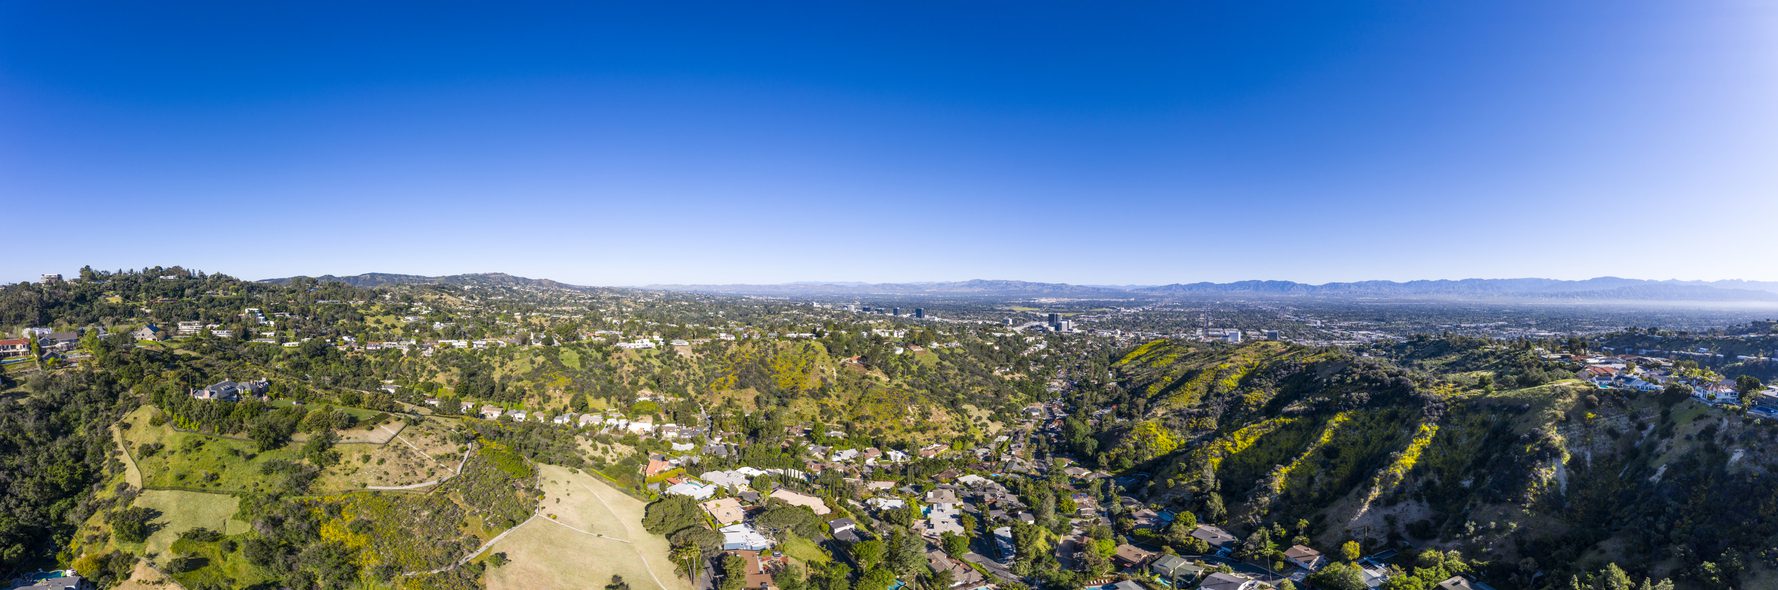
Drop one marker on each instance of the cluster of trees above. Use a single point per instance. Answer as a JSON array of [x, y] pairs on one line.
[[1428, 569], [54, 449]]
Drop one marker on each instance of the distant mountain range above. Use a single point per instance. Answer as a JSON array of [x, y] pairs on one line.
[[1602, 289], [1596, 289], [383, 279], [1548, 290], [975, 288]]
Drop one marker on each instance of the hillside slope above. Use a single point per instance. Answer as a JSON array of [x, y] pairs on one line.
[[1467, 451]]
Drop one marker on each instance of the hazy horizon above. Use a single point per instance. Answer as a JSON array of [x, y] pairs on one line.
[[772, 143], [69, 273]]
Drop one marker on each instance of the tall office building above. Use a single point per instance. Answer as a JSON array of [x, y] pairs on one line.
[[919, 313]]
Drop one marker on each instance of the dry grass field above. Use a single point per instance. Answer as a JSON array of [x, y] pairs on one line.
[[590, 532]]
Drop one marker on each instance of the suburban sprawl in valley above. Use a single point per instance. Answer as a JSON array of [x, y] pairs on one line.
[[170, 428]]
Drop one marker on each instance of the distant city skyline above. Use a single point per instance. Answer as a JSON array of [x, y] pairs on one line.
[[769, 143]]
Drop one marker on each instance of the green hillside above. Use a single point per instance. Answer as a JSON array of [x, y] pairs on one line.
[[1480, 447]]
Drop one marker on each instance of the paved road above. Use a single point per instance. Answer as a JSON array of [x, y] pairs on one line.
[[993, 566]]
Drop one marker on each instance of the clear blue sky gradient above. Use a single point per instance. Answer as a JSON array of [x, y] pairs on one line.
[[1109, 143]]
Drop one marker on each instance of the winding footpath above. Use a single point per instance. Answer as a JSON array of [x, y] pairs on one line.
[[415, 486], [478, 550], [628, 526]]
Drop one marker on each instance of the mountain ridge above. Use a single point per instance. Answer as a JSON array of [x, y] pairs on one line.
[[1598, 289], [1531, 289]]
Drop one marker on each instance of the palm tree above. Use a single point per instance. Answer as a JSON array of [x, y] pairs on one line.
[[687, 557]]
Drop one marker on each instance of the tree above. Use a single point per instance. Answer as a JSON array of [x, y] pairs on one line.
[[271, 430], [734, 573], [1351, 550], [133, 524], [671, 513], [954, 544], [1612, 577], [1338, 576], [686, 557], [1675, 393], [1747, 385], [937, 579], [869, 554], [617, 583], [877, 579]]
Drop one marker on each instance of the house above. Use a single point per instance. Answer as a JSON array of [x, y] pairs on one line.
[[1374, 574], [691, 489], [1129, 556], [1456, 583], [147, 332], [189, 328], [1003, 543], [759, 568], [1304, 557], [962, 576], [61, 341], [734, 480], [844, 530], [14, 348], [740, 537], [1223, 581], [1596, 372], [491, 412], [725, 511], [942, 496], [1214, 536], [886, 503], [50, 580], [229, 391], [801, 499], [1175, 570], [941, 519], [1118, 585]]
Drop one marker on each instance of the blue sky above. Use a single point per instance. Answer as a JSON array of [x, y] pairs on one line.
[[1136, 142]]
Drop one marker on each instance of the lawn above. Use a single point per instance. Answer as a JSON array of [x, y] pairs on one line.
[[183, 511], [591, 532], [802, 549], [197, 462]]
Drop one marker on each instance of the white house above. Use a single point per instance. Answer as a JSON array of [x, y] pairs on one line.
[[740, 537], [692, 489]]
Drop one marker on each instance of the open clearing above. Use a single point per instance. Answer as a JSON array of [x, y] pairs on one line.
[[589, 532], [415, 455], [165, 458], [144, 577], [183, 511]]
